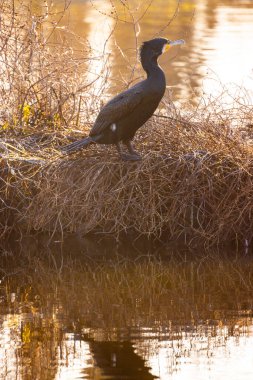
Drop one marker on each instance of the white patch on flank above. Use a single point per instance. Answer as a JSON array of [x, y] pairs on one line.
[[113, 127]]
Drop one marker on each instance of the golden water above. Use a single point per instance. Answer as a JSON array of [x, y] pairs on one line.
[[83, 310], [217, 52]]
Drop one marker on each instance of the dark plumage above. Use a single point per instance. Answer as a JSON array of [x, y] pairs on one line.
[[123, 115]]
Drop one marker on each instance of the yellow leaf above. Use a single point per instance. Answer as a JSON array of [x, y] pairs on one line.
[[26, 334], [5, 126]]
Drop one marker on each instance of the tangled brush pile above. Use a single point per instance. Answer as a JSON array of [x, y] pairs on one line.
[[194, 181]]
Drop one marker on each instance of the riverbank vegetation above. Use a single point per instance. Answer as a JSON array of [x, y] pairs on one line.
[[195, 179]]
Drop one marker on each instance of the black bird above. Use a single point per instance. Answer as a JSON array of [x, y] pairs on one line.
[[123, 115]]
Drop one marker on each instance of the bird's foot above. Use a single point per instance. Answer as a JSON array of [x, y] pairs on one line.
[[134, 153], [130, 157]]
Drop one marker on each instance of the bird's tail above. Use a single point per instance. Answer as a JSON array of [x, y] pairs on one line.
[[77, 145]]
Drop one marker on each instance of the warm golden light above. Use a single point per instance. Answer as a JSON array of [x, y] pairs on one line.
[[200, 357], [217, 51], [219, 54]]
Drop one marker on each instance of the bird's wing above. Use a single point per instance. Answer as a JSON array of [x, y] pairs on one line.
[[116, 109]]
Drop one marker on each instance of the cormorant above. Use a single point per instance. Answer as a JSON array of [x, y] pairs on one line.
[[123, 115]]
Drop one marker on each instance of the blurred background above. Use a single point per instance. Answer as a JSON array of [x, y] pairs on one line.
[[218, 34]]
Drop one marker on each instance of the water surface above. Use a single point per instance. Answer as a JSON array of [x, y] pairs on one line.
[[217, 53], [83, 310]]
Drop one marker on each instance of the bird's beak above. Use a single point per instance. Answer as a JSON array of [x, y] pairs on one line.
[[172, 43]]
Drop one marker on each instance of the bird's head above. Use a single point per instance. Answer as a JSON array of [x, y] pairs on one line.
[[157, 46]]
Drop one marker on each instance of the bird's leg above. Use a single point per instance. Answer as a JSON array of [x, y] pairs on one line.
[[119, 148], [131, 149], [125, 156]]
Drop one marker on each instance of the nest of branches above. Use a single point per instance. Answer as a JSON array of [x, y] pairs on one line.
[[195, 178], [194, 182]]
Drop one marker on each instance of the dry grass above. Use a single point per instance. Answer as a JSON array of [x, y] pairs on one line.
[[195, 179], [46, 70], [194, 182]]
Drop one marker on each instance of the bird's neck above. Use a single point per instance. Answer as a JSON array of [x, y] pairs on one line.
[[150, 64]]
